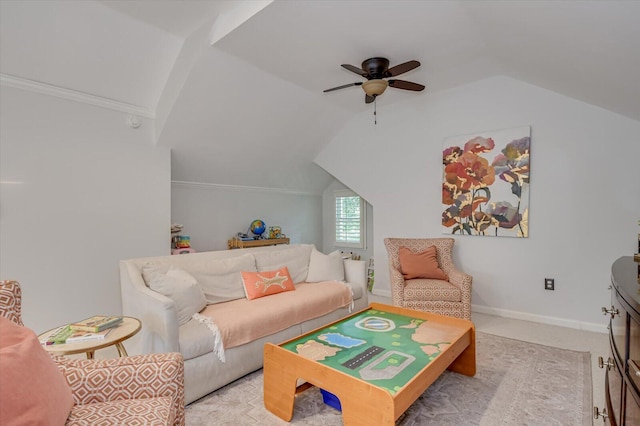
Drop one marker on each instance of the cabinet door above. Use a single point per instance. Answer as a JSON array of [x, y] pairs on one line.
[[632, 408], [613, 393], [633, 363]]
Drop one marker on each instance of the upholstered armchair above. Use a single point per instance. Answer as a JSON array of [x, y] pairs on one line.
[[447, 292], [135, 390]]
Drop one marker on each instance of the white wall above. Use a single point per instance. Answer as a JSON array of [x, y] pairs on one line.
[[212, 214], [584, 196], [80, 190], [329, 223]]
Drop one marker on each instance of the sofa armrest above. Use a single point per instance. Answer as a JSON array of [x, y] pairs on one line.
[[11, 297], [461, 280], [156, 312], [397, 285], [134, 377]]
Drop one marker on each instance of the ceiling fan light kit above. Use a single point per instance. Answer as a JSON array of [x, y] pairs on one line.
[[375, 87], [375, 70]]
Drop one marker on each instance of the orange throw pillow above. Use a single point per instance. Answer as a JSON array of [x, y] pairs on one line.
[[33, 391], [265, 283], [420, 265]]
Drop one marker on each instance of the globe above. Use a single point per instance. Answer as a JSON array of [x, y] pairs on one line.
[[257, 227]]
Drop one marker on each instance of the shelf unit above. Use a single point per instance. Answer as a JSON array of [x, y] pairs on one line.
[[235, 243]]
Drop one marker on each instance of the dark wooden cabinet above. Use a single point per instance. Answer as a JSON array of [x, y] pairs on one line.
[[622, 377]]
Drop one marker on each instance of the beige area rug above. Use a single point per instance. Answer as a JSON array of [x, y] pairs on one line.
[[517, 383]]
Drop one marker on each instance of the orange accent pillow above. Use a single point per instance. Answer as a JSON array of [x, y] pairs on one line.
[[33, 390], [420, 265], [265, 283]]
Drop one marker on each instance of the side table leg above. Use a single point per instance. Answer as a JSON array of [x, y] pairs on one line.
[[90, 354], [122, 352]]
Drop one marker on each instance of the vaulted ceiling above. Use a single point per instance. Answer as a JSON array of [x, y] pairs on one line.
[[235, 87]]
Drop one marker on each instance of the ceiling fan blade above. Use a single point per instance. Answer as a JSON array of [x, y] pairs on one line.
[[368, 99], [406, 85], [401, 69], [356, 70], [358, 83]]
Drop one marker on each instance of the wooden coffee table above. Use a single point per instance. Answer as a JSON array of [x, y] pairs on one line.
[[129, 327], [377, 362]]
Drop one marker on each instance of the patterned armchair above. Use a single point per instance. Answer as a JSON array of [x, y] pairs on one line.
[[451, 297], [144, 389]]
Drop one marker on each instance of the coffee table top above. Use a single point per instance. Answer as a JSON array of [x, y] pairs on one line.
[[382, 345], [129, 327], [403, 353]]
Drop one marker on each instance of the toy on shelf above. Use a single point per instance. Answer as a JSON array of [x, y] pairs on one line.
[[180, 244], [275, 232], [257, 228], [184, 241]]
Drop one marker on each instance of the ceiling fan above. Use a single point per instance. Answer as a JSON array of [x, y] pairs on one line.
[[376, 70]]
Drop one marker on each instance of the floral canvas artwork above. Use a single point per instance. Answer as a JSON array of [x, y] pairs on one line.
[[485, 188]]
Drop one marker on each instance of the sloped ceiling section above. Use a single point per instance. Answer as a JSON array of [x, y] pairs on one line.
[[305, 42], [88, 48], [588, 50], [234, 124], [249, 109]]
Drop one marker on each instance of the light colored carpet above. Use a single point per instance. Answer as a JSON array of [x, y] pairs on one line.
[[517, 383]]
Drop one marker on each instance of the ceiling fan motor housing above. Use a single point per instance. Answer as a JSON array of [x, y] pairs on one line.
[[375, 68]]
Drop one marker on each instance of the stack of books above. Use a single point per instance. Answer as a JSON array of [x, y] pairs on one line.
[[94, 328]]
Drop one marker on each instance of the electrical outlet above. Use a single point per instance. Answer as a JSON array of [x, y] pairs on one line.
[[549, 284]]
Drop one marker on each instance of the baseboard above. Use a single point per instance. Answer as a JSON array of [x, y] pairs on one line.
[[542, 319], [524, 316], [381, 293]]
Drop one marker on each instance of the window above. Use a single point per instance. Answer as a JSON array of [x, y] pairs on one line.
[[350, 224]]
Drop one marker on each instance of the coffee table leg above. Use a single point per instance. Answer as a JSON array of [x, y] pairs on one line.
[[466, 361], [355, 415], [279, 385]]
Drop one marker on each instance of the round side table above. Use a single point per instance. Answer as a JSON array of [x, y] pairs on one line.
[[127, 328]]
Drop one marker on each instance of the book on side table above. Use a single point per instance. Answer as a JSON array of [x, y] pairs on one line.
[[66, 334], [96, 323], [82, 336]]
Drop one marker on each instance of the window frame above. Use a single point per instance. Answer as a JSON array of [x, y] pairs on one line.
[[361, 244]]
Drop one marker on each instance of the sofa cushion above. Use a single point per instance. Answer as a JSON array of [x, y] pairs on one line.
[[242, 321], [179, 286], [421, 289], [33, 391], [265, 283], [296, 259], [325, 267], [220, 279], [420, 265]]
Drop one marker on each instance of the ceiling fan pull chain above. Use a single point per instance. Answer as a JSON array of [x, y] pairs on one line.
[[375, 112]]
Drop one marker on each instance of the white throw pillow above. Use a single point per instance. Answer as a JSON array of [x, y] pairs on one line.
[[295, 258], [325, 267], [179, 286], [220, 279]]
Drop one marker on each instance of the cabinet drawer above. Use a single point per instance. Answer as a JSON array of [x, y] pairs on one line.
[[634, 374], [618, 326]]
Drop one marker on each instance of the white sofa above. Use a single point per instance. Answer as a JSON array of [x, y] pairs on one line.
[[165, 328]]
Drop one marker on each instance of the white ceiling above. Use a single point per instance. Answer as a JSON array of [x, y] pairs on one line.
[[255, 97]]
